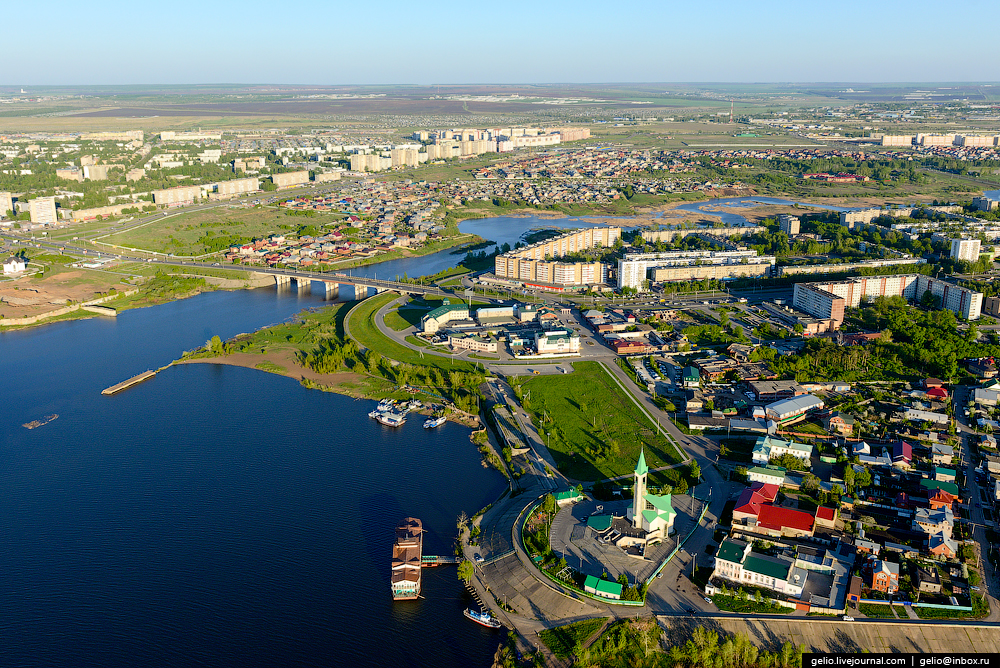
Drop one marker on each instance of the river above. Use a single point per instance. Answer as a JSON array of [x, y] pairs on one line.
[[216, 515]]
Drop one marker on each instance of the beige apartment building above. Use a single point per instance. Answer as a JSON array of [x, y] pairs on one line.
[[179, 196], [6, 203], [237, 187], [43, 210], [290, 179]]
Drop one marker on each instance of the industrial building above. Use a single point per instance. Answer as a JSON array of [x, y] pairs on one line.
[[828, 300]]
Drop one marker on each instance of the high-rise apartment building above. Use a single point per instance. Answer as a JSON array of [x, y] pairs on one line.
[[43, 210]]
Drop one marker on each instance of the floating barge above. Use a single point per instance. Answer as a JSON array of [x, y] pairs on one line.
[[407, 557], [125, 384]]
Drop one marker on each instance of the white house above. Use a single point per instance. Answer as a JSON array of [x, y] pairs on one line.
[[768, 447], [14, 265], [773, 475]]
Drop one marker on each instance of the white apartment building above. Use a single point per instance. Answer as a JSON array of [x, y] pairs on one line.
[[965, 249], [633, 269]]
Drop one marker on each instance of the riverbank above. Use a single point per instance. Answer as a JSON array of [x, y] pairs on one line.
[[314, 348]]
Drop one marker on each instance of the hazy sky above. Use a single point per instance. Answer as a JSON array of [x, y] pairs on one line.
[[442, 41]]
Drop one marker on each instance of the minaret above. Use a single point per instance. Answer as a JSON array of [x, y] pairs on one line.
[[639, 491]]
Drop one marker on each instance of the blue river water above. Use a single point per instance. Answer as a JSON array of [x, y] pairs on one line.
[[216, 515]]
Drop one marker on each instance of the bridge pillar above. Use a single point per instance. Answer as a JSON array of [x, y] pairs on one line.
[[332, 289], [280, 280], [303, 285]]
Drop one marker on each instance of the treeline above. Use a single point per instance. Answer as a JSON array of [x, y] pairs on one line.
[[637, 643], [914, 343], [335, 354]]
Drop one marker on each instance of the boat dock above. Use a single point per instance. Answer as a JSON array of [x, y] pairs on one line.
[[134, 380], [430, 561]]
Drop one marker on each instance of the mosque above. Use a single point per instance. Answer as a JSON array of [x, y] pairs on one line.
[[648, 519]]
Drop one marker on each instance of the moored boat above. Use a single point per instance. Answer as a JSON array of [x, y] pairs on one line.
[[435, 422], [484, 618], [391, 419]]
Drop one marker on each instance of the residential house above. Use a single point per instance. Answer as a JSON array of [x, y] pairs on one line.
[[842, 423], [939, 499], [941, 454], [943, 474], [902, 455], [934, 521], [768, 447], [928, 580], [942, 546], [884, 576]]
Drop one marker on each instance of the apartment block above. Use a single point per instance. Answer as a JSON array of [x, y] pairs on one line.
[[179, 196], [965, 249], [6, 203], [828, 300], [788, 224], [290, 179], [43, 210], [634, 268], [237, 186]]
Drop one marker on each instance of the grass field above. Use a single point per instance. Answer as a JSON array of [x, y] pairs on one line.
[[200, 232], [564, 640], [361, 324], [594, 431]]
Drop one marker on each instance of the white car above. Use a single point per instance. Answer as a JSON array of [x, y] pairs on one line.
[[707, 599], [848, 618]]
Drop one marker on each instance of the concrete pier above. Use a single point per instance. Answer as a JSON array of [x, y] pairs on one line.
[[303, 285], [280, 280], [332, 290]]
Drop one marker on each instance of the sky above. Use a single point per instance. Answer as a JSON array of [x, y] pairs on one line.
[[109, 42]]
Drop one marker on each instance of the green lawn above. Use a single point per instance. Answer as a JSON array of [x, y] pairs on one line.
[[594, 429], [564, 640], [402, 318], [361, 322], [875, 610]]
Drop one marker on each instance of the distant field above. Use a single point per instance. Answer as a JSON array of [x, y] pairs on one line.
[[202, 231]]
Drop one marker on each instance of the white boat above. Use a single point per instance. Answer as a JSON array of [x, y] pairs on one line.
[[484, 618], [435, 422], [391, 419]]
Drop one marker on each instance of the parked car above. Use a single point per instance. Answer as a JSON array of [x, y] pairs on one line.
[[707, 599], [848, 618]]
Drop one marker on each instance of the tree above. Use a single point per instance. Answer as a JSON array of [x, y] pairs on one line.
[[465, 570], [863, 478], [694, 471]]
